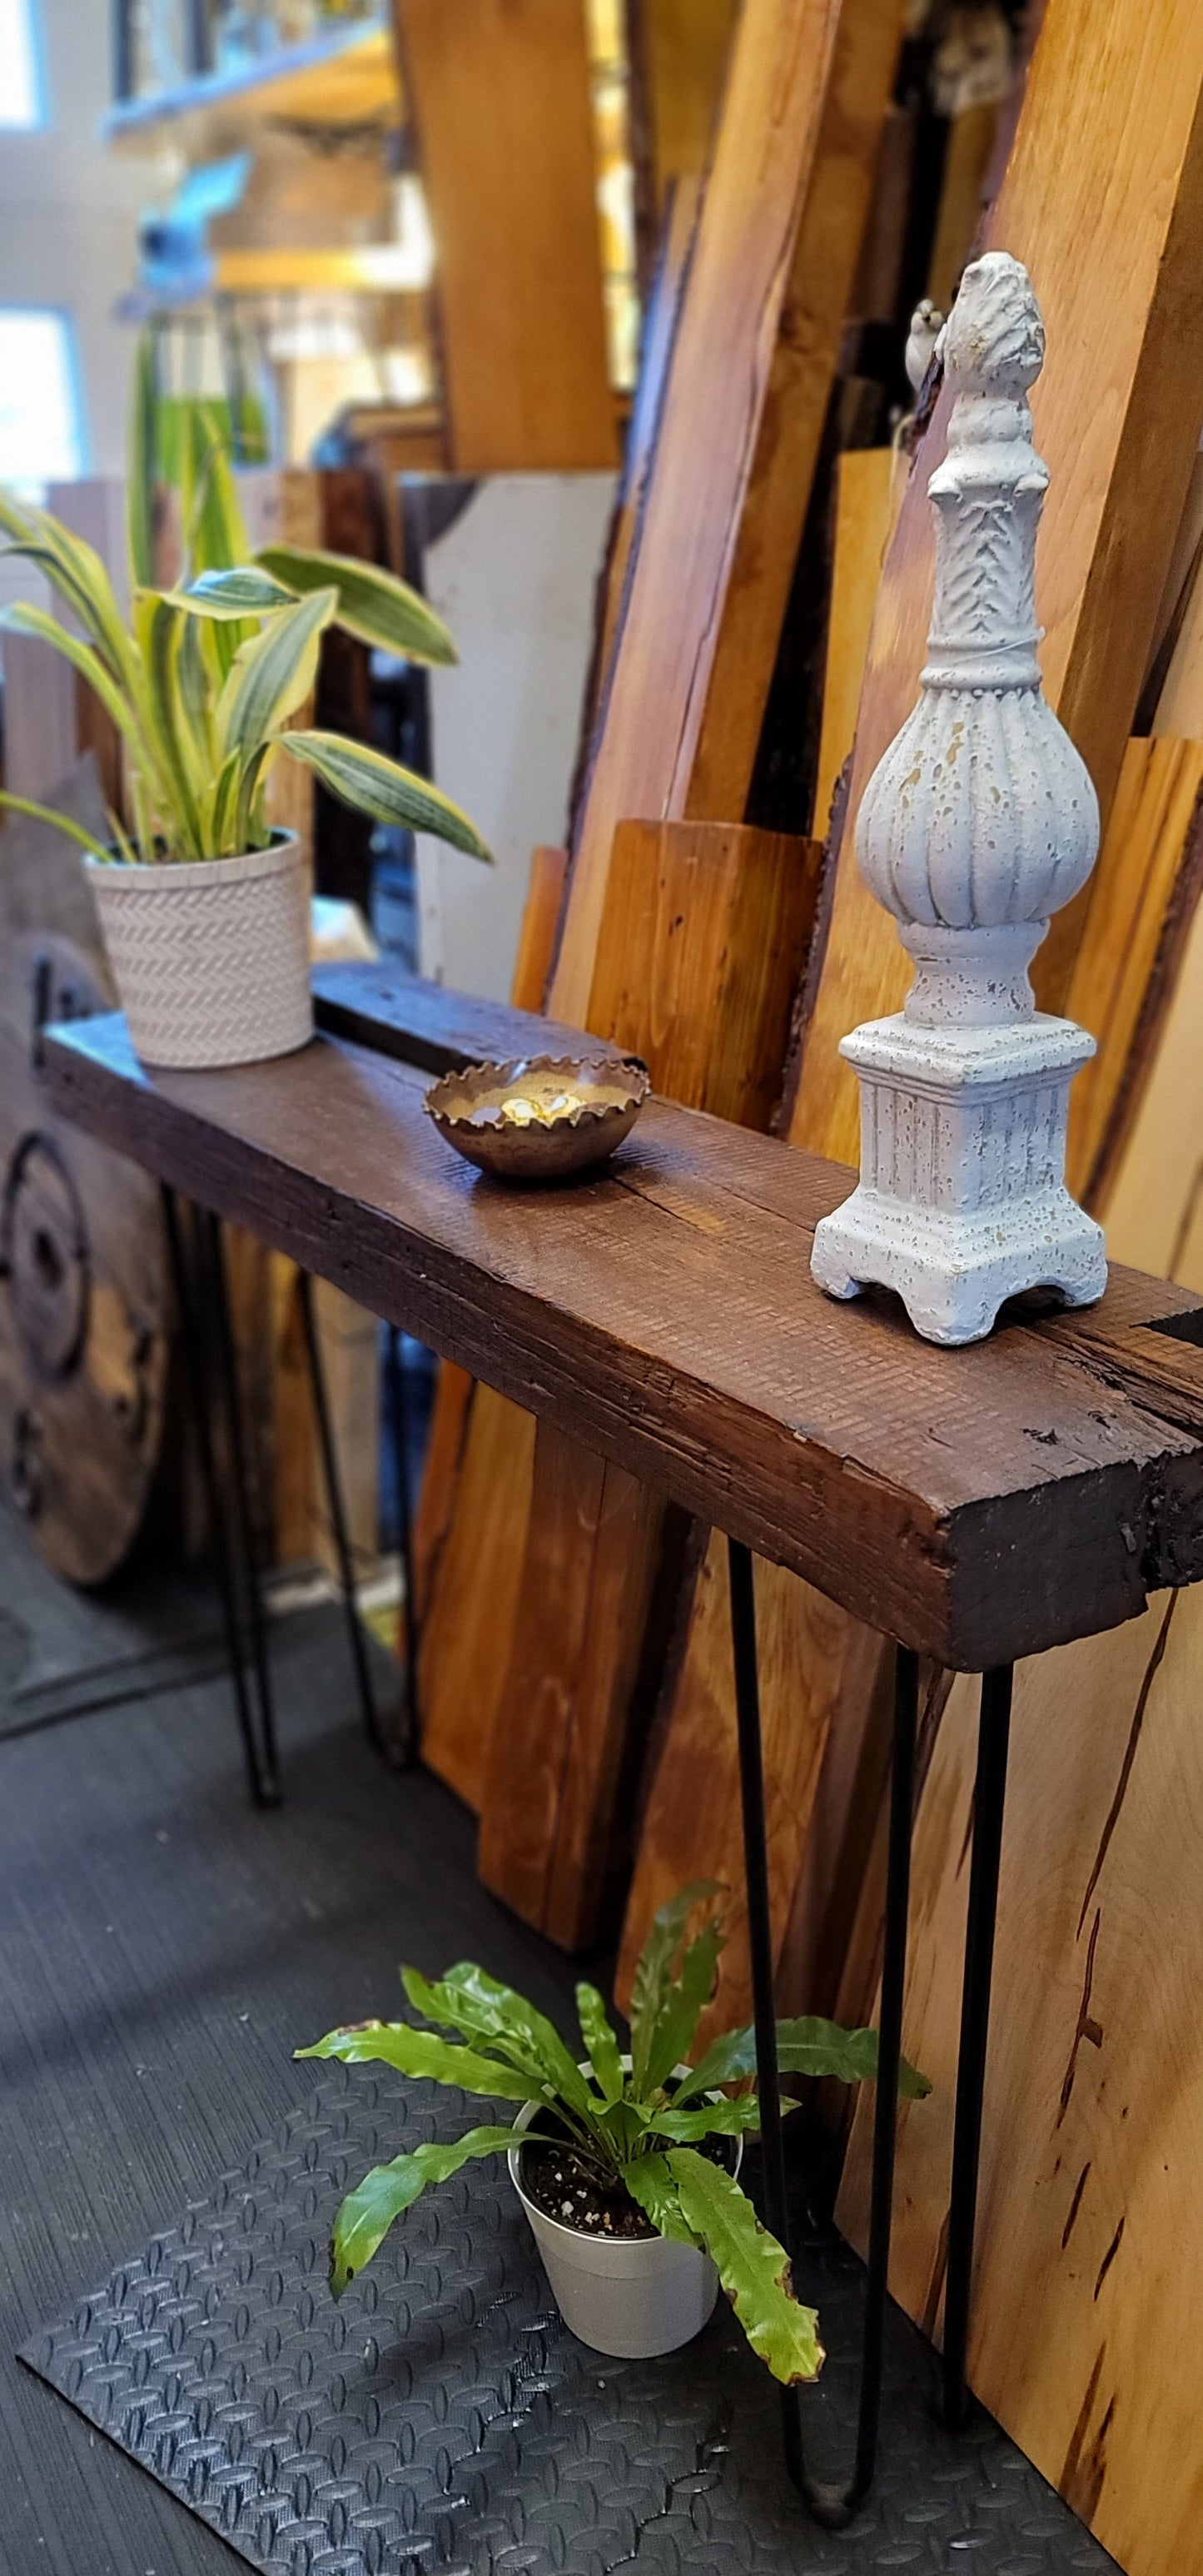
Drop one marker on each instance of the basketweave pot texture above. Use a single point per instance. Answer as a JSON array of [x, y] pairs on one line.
[[210, 956]]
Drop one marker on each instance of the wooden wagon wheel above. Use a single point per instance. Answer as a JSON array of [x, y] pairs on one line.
[[84, 1298]]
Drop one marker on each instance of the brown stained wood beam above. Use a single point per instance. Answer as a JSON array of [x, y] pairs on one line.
[[1103, 200], [748, 384], [977, 1505], [501, 102]]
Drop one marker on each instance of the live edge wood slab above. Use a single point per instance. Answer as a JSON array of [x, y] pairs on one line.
[[977, 1505]]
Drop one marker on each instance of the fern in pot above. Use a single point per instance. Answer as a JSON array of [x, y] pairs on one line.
[[205, 909], [626, 2163]]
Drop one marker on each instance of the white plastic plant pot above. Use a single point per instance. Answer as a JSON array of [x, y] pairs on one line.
[[210, 956], [633, 2297]]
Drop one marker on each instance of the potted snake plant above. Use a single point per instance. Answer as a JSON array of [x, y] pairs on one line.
[[625, 2163], [204, 908]]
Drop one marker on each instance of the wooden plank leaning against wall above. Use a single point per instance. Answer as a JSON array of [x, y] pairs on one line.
[[500, 96], [1121, 315], [752, 364]]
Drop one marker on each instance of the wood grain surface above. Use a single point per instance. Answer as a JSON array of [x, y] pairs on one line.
[[499, 91], [739, 425], [1089, 2265], [976, 1504], [1109, 230], [1126, 969]]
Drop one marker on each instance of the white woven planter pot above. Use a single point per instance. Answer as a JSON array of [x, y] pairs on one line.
[[634, 2296], [210, 956]]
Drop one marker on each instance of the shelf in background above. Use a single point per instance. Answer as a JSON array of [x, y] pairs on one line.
[[344, 79]]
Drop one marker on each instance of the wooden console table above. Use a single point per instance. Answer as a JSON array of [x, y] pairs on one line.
[[973, 1505]]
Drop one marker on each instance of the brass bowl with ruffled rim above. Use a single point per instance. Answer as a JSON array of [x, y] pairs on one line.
[[541, 1117]]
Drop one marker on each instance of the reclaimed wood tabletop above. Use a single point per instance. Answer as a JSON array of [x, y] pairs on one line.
[[975, 1504]]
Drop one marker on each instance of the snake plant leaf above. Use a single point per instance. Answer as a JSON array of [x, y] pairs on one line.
[[196, 675], [271, 674], [22, 618], [649, 2182], [62, 822], [509, 2016], [219, 816], [214, 532], [76, 572], [242, 591], [377, 786], [372, 604], [653, 1973], [806, 2046], [422, 2052], [600, 2043], [180, 783], [388, 2191], [752, 2266], [143, 461]]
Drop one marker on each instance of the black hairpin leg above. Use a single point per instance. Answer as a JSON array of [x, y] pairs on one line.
[[213, 1273], [831, 2505], [204, 1323], [397, 1408], [994, 1726], [338, 1517]]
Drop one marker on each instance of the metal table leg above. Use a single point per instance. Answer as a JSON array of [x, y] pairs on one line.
[[188, 1276], [994, 1726], [338, 1518], [215, 1312], [396, 1377], [831, 2505]]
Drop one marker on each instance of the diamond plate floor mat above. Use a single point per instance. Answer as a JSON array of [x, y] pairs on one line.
[[442, 2422]]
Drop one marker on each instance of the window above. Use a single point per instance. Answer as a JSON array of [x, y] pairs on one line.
[[40, 430], [20, 85]]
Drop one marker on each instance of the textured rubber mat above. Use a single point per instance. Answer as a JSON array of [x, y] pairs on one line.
[[442, 2422]]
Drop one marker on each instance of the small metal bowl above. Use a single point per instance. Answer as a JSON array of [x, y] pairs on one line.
[[541, 1118]]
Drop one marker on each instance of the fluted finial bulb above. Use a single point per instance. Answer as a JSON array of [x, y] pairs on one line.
[[981, 816]]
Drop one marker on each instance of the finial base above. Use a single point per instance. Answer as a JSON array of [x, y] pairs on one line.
[[962, 1201]]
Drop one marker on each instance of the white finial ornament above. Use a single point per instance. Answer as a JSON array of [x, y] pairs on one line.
[[979, 822]]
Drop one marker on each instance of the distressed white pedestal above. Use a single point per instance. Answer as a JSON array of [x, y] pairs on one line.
[[962, 1200], [978, 823]]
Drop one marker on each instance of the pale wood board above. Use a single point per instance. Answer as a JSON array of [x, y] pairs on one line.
[[869, 484], [1089, 2270], [501, 105], [1126, 966], [738, 425], [685, 45]]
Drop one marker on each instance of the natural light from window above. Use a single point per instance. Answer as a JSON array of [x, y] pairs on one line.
[[40, 436], [20, 87]]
